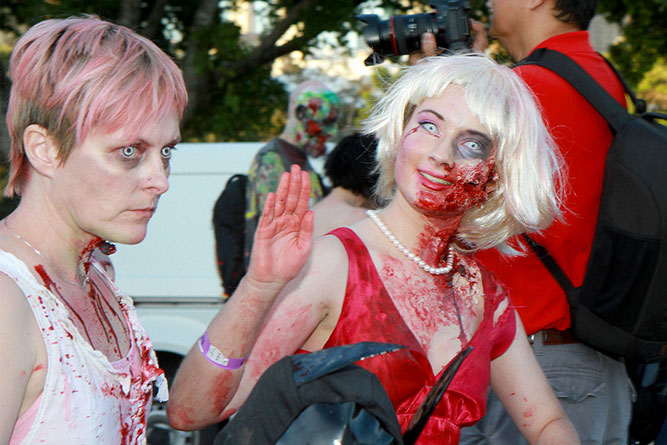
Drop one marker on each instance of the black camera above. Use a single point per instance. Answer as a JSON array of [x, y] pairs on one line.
[[401, 34]]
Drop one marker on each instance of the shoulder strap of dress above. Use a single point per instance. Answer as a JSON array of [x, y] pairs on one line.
[[42, 302], [351, 241], [18, 271]]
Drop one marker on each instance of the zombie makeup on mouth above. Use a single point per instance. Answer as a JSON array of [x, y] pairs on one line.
[[468, 189]]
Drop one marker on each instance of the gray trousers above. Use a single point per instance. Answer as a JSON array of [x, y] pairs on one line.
[[595, 392]]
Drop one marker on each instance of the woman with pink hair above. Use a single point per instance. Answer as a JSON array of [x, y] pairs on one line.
[[93, 116]]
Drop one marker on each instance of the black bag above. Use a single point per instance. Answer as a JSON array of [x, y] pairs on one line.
[[621, 307], [229, 228], [323, 397], [649, 410], [320, 397]]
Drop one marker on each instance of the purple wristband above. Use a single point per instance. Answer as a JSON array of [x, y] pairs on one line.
[[216, 357]]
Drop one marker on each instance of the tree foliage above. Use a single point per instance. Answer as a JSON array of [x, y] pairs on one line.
[[232, 93], [644, 29]]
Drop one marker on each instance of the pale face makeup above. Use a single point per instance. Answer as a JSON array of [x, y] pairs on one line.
[[110, 184], [446, 158]]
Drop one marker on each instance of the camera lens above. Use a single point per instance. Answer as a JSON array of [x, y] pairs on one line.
[[399, 34], [408, 29]]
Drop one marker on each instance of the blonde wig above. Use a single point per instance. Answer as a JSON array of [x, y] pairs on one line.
[[528, 165]]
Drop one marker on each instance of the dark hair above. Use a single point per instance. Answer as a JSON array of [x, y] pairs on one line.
[[351, 164], [576, 12]]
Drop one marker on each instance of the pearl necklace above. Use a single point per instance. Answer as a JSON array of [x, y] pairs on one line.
[[416, 259]]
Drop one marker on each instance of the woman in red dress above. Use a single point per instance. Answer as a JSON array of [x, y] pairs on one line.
[[465, 163]]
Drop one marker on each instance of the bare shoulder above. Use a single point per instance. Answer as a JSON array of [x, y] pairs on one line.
[[17, 322], [22, 348], [315, 295], [328, 246], [15, 307], [320, 278], [299, 318], [19, 332]]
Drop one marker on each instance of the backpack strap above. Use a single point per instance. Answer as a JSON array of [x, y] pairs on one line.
[[552, 266], [639, 104], [613, 112]]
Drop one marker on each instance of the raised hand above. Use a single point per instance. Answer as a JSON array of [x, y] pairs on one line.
[[284, 235]]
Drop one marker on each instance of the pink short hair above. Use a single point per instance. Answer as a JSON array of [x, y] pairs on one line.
[[81, 73]]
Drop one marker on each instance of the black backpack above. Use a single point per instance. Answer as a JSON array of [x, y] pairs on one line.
[[229, 228], [621, 307]]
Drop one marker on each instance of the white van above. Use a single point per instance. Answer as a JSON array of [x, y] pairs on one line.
[[172, 275]]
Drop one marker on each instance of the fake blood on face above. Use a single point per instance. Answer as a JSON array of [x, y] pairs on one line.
[[314, 105], [313, 128], [468, 189]]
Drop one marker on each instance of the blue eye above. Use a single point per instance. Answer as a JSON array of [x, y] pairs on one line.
[[129, 152], [473, 145], [429, 126], [166, 152], [475, 148]]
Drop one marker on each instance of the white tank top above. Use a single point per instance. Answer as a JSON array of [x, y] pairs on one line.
[[86, 399]]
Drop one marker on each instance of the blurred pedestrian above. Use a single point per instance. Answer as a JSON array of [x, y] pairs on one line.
[[350, 169], [312, 120]]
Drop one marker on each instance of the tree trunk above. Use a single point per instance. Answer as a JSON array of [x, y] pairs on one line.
[[267, 50], [5, 85], [196, 81], [153, 25], [130, 11]]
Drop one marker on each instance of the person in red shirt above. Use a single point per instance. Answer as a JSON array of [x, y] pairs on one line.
[[593, 388]]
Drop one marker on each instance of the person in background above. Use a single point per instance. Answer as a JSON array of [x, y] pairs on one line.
[[465, 162], [593, 388], [350, 169], [312, 119], [93, 117]]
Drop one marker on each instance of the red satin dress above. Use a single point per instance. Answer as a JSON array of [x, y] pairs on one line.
[[369, 314]]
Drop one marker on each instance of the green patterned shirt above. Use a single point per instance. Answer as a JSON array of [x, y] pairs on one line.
[[265, 171]]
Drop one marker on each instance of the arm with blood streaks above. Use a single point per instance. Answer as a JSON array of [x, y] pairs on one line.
[[201, 392], [518, 381], [19, 343]]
